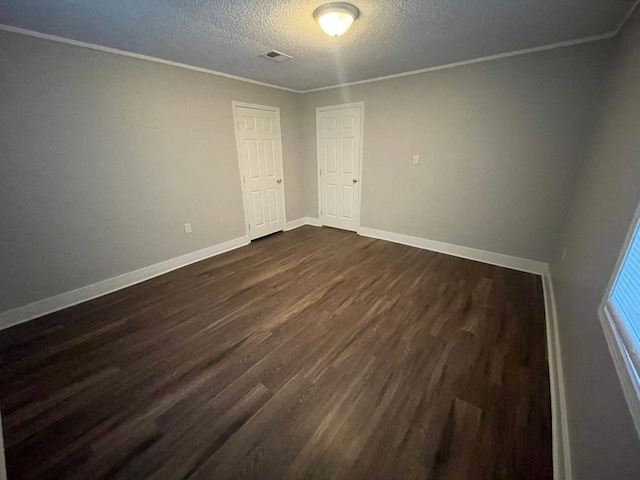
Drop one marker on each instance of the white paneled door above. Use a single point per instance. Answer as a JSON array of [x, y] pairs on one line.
[[260, 152], [339, 151]]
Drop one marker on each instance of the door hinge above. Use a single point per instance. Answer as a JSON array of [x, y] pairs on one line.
[[320, 171], [249, 226]]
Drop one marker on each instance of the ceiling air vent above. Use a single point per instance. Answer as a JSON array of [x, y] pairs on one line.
[[277, 56]]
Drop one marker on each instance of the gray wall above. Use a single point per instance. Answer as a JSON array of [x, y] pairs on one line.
[[499, 141], [103, 158], [603, 439]]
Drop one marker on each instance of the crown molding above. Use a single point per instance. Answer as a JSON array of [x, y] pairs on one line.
[[627, 17], [123, 53], [551, 46]]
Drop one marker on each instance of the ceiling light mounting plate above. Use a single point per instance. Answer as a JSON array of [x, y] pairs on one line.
[[336, 18]]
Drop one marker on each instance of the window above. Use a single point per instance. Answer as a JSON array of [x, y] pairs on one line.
[[620, 315], [625, 294]]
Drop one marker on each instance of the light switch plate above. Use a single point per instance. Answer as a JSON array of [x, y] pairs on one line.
[[187, 228], [416, 159]]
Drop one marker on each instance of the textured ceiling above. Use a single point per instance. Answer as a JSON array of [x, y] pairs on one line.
[[390, 37]]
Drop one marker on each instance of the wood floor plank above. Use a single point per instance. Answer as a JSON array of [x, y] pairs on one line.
[[314, 354]]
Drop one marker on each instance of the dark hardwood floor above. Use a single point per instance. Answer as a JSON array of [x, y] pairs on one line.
[[314, 353]]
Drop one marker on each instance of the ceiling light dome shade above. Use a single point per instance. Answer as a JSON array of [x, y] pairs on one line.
[[336, 18]]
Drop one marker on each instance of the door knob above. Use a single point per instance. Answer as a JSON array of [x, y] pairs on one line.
[[279, 180], [355, 180]]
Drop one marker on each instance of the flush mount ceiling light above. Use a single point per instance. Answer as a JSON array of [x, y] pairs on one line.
[[336, 18]]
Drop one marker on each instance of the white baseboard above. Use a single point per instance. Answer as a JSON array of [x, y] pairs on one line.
[[560, 427], [498, 259], [74, 297], [300, 222], [561, 447], [83, 294], [294, 224]]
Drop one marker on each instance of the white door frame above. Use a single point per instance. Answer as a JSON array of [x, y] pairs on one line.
[[236, 129], [359, 105]]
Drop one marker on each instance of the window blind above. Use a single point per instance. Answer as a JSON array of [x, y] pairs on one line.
[[626, 290]]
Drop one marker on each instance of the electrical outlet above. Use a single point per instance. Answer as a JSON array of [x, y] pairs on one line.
[[416, 159], [187, 228]]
